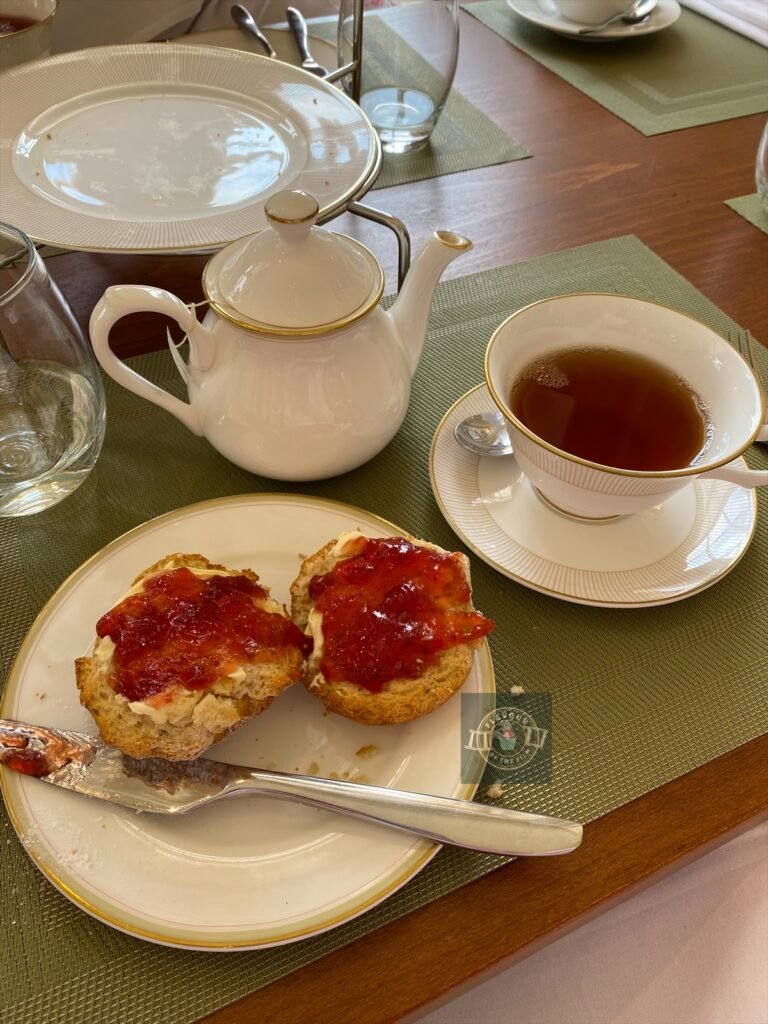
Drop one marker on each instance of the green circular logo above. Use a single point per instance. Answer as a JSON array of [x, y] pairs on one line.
[[510, 738]]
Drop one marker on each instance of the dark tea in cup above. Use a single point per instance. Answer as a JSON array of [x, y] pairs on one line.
[[14, 23], [612, 407]]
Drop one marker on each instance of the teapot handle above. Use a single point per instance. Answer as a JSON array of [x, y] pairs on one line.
[[117, 302]]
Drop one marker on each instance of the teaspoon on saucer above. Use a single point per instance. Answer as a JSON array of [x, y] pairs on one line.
[[485, 433], [634, 16]]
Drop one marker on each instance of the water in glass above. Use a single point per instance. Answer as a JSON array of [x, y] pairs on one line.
[[409, 54], [52, 413]]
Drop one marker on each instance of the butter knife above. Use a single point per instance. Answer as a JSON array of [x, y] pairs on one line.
[[85, 765], [298, 27]]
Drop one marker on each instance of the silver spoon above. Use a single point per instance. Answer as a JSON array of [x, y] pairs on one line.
[[637, 14], [484, 434], [245, 21]]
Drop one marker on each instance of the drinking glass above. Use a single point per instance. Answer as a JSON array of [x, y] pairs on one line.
[[25, 30], [52, 413], [410, 49], [761, 169]]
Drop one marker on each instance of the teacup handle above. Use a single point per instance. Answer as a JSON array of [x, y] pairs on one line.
[[738, 475], [117, 302]]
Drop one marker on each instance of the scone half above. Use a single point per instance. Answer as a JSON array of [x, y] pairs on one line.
[[192, 652], [378, 611]]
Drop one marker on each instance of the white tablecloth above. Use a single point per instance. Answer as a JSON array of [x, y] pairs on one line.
[[747, 17], [692, 949]]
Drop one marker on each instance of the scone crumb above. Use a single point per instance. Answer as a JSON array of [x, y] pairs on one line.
[[515, 691], [495, 791], [369, 750]]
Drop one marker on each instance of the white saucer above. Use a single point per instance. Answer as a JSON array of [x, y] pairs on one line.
[[655, 557], [546, 14]]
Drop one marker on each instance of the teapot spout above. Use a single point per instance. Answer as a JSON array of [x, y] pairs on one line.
[[410, 313]]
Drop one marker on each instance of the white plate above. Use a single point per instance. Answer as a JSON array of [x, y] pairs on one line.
[[654, 557], [546, 14], [167, 147], [281, 39], [250, 872]]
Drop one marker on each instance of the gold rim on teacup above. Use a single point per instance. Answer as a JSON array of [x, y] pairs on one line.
[[692, 470]]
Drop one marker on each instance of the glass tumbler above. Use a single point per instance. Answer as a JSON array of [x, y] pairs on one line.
[[52, 412], [410, 50]]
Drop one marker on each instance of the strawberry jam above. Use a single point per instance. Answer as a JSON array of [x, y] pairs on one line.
[[27, 762], [186, 630], [390, 610]]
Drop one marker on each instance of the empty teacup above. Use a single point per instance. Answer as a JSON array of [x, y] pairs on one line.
[[592, 12], [614, 403]]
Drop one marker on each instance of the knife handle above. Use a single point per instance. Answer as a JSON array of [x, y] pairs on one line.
[[299, 29], [442, 819]]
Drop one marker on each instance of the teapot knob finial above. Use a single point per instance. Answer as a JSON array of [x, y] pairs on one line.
[[292, 212]]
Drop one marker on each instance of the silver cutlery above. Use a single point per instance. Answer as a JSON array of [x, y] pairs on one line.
[[246, 22], [633, 16], [485, 433], [84, 764], [743, 343], [298, 27]]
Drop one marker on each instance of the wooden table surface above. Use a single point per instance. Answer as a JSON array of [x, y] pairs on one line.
[[591, 177]]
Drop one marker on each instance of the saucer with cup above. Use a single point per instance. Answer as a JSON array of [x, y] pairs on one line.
[[597, 534], [559, 17]]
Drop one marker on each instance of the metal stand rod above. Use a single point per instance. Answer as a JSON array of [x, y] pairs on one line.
[[400, 230], [357, 51], [342, 72], [353, 70]]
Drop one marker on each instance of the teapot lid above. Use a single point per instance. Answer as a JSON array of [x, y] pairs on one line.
[[293, 278]]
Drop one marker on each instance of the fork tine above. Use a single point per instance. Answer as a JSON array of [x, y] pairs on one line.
[[742, 342]]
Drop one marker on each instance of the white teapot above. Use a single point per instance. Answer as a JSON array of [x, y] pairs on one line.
[[296, 372]]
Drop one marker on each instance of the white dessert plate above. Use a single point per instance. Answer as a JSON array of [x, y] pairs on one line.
[[655, 557], [281, 39], [546, 14], [164, 147], [249, 872]]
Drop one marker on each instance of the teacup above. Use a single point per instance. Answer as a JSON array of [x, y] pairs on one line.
[[32, 38], [724, 382], [592, 12]]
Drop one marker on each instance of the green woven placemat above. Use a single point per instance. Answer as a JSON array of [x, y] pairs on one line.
[[463, 139], [639, 697], [694, 72], [751, 209]]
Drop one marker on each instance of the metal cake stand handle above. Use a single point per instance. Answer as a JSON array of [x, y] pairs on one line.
[[394, 224], [352, 71]]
